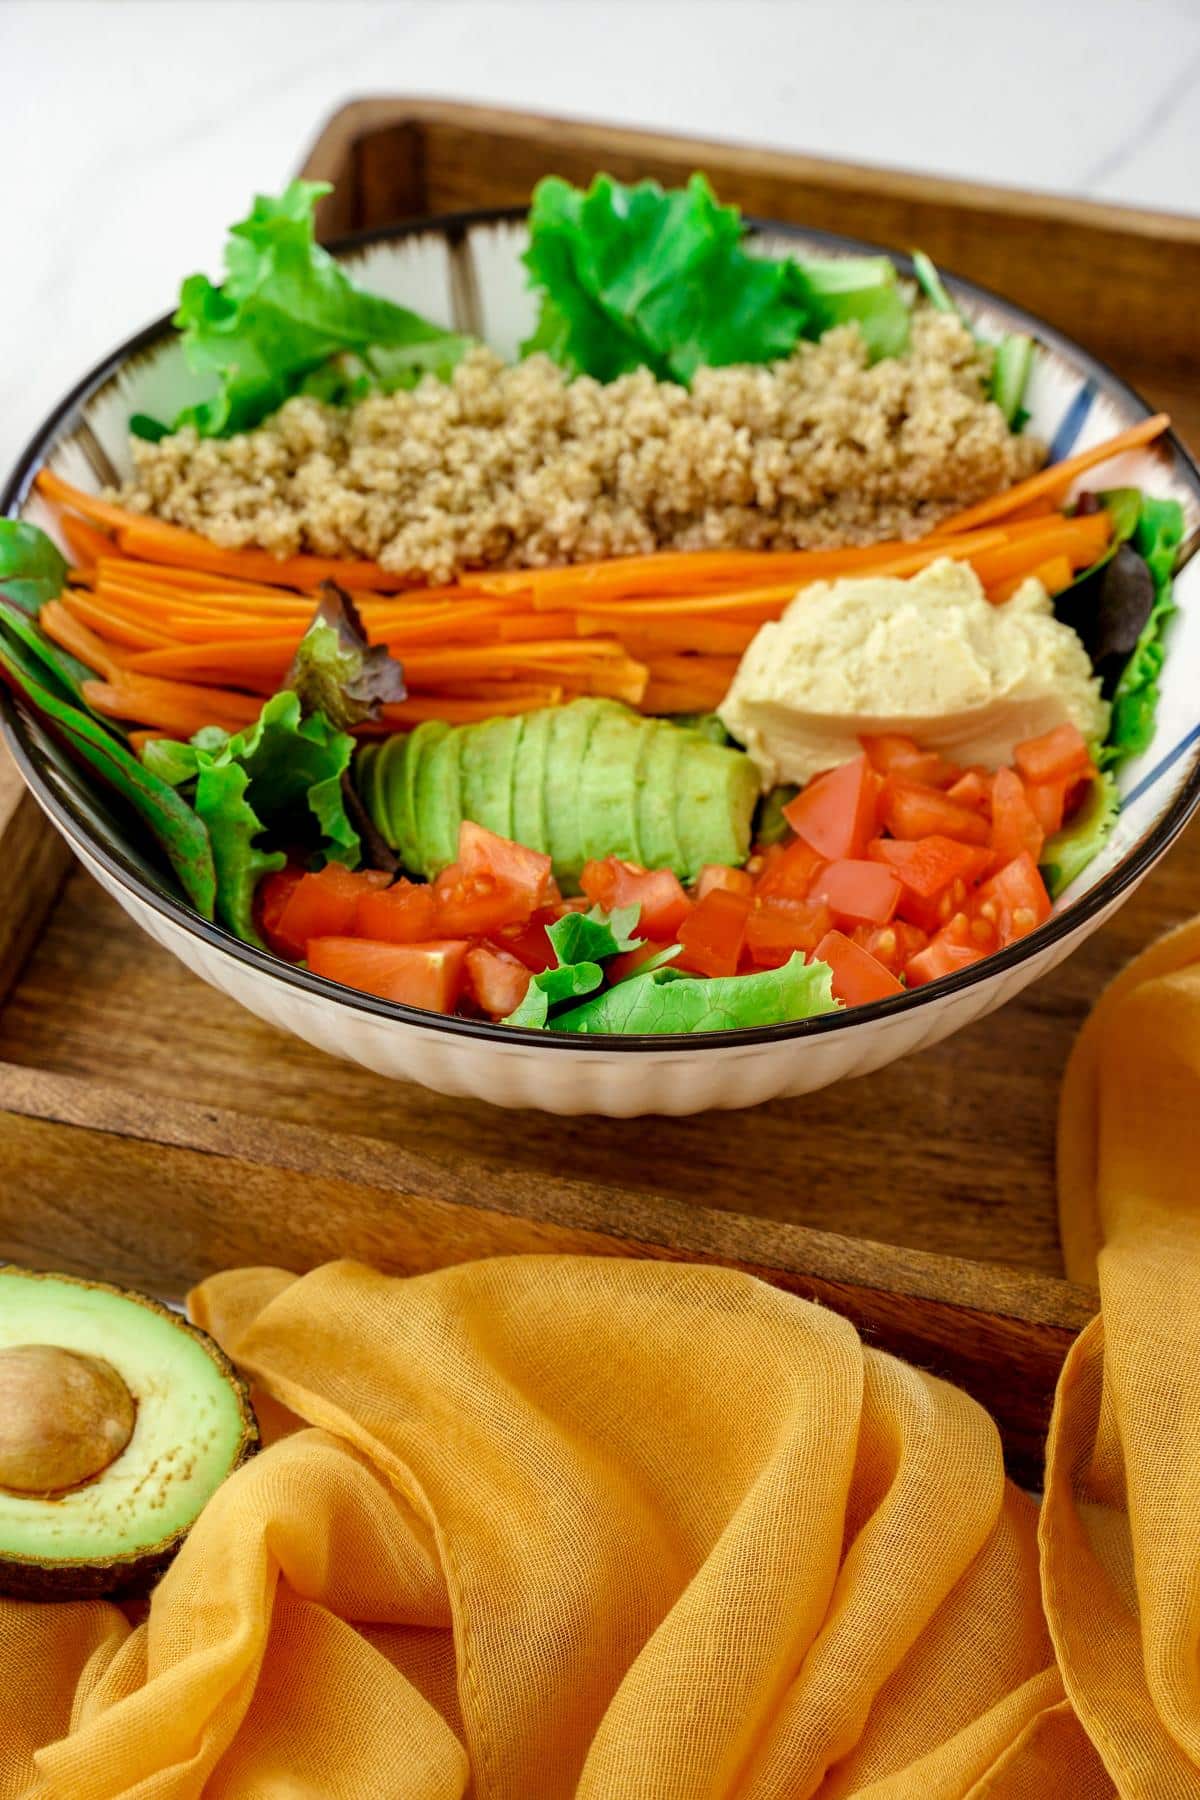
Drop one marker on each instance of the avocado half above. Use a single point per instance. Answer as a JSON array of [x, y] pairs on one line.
[[118, 1420]]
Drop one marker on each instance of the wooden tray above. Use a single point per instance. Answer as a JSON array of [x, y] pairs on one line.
[[152, 1132]]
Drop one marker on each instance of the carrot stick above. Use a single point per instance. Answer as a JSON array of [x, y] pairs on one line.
[[109, 624], [716, 637], [1081, 541], [170, 706], [76, 637], [419, 707], [672, 697], [1058, 475], [143, 535], [1054, 575], [86, 544]]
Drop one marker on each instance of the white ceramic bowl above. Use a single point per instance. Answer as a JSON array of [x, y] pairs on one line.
[[466, 271]]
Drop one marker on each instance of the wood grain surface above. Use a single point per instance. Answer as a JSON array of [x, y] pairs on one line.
[[151, 1131]]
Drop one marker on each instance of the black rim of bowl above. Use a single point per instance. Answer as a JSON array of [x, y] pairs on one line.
[[122, 870]]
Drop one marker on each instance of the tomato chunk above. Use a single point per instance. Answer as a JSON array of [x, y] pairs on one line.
[[912, 811], [928, 865], [837, 812], [1015, 828], [529, 942], [943, 955], [400, 914], [476, 905], [659, 894], [483, 853], [270, 902], [425, 975], [1014, 899], [858, 891], [324, 904], [891, 754], [893, 944], [1048, 802], [497, 980], [713, 933], [1057, 755], [974, 789], [779, 926], [858, 978], [789, 870], [720, 875]]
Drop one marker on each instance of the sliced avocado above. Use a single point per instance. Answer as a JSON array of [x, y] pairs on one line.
[[715, 795], [118, 1421], [377, 784], [438, 807], [529, 780], [656, 797], [569, 742], [488, 752], [420, 742], [608, 787]]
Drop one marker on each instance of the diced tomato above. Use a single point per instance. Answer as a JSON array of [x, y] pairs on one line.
[[858, 892], [1055, 756], [497, 980], [325, 904], [720, 875], [1015, 828], [426, 975], [778, 927], [928, 865], [789, 870], [529, 942], [477, 905], [974, 789], [400, 914], [1014, 900], [913, 811], [891, 754], [483, 853], [713, 933], [837, 812], [659, 894], [1048, 802], [941, 956], [893, 944], [858, 978], [270, 902]]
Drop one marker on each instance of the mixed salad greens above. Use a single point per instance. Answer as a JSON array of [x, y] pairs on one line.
[[571, 864]]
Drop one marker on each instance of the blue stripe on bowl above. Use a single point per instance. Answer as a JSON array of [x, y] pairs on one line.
[[1160, 768], [1071, 424]]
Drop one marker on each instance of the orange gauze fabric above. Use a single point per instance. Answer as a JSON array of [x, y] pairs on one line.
[[543, 1527]]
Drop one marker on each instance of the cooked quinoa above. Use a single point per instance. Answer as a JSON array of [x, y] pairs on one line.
[[517, 466]]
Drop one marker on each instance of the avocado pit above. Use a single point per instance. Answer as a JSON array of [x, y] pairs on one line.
[[64, 1417]]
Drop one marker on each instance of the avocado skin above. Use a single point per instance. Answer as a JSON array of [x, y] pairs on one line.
[[31, 1578]]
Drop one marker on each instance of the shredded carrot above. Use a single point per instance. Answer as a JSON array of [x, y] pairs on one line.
[[86, 544], [109, 624], [1081, 541], [1060, 475], [171, 706], [418, 708]]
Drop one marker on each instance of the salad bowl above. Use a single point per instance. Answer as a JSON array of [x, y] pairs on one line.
[[466, 270]]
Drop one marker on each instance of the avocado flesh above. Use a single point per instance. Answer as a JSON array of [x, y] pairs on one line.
[[488, 753], [569, 743], [715, 795], [438, 804], [656, 798], [529, 781], [192, 1426], [608, 791]]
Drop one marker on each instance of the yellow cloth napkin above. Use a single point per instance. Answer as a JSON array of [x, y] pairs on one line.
[[540, 1527]]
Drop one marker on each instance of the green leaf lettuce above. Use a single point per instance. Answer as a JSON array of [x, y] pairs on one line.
[[667, 1001]]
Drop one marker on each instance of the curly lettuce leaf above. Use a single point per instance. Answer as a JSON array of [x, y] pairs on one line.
[[637, 277], [581, 942], [1156, 539], [277, 782], [668, 1001], [335, 671], [32, 568], [1069, 851], [282, 318]]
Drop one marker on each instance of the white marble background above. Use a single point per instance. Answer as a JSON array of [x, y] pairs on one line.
[[133, 131]]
